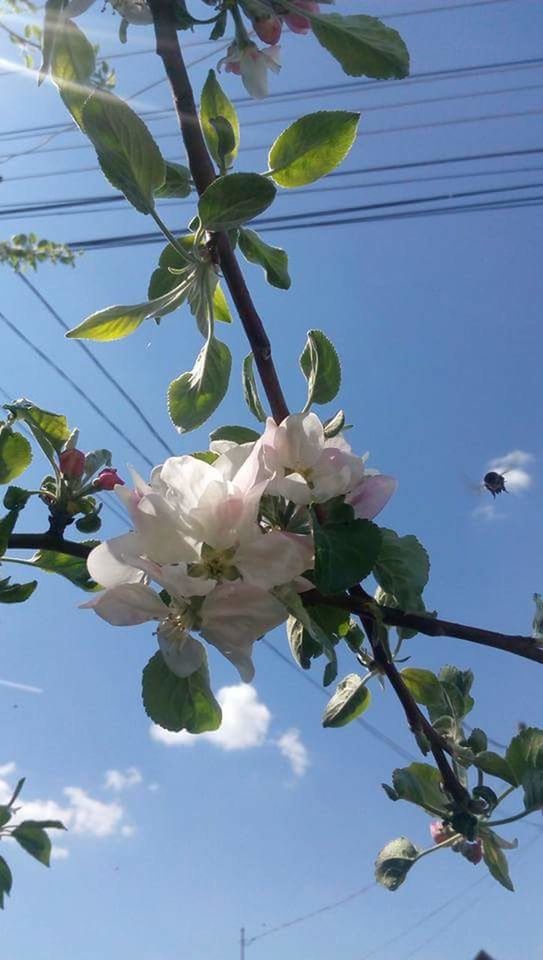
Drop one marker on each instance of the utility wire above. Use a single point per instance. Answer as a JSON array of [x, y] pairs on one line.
[[109, 377], [62, 373]]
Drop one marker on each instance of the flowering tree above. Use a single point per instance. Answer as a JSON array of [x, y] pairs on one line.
[[270, 525]]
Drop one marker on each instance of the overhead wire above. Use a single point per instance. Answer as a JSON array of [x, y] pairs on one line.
[[103, 370]]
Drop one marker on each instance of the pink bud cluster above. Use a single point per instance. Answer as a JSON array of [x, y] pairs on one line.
[[268, 29], [72, 467]]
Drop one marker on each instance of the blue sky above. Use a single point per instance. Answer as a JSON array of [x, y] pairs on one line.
[[435, 320]]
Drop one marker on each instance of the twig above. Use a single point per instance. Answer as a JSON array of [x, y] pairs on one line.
[[203, 173], [45, 541]]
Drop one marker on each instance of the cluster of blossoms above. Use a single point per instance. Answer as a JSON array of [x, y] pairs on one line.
[[471, 850], [206, 533]]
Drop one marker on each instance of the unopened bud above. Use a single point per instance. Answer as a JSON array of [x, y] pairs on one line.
[[473, 851], [72, 464], [107, 479], [440, 831], [268, 29], [89, 524], [296, 21]]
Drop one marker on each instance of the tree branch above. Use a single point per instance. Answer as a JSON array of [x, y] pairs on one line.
[[203, 173], [434, 627], [45, 541]]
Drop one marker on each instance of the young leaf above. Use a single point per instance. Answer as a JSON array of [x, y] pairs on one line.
[[525, 752], [351, 699], [394, 862], [163, 281], [273, 260], [235, 199], [495, 766], [345, 553], [115, 323], [363, 45], [177, 182], [73, 64], [34, 840], [495, 860], [127, 153], [16, 592], [73, 568], [214, 103], [312, 147], [179, 703], [15, 498], [194, 396], [235, 434], [226, 141], [250, 390], [420, 783], [46, 426], [402, 569], [15, 454], [7, 524], [6, 881], [221, 310], [321, 368], [423, 686]]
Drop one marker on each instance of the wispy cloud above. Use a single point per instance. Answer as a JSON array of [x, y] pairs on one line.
[[25, 687], [291, 747], [518, 479], [119, 780]]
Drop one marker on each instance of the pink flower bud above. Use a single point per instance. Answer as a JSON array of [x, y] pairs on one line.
[[72, 464], [473, 851], [296, 21], [268, 29], [108, 479], [439, 831]]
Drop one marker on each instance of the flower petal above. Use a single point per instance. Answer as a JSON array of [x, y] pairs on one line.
[[127, 605], [116, 561], [274, 558], [236, 614], [371, 495], [182, 653]]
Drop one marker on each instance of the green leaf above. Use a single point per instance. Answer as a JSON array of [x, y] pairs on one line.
[[46, 426], [402, 569], [321, 367], [177, 703], [214, 103], [273, 260], [5, 815], [525, 752], [423, 686], [351, 699], [226, 141], [420, 783], [477, 740], [221, 310], [177, 182], [52, 22], [34, 840], [127, 153], [334, 425], [235, 434], [495, 766], [312, 147], [163, 281], [362, 45], [73, 569], [394, 862], [16, 792], [15, 454], [7, 524], [6, 881], [495, 860], [250, 390], [532, 783], [235, 199], [15, 498], [95, 460], [115, 323], [345, 553], [194, 396], [72, 66], [16, 592]]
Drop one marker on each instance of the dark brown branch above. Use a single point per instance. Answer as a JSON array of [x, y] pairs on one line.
[[434, 627], [414, 716], [45, 541], [203, 173]]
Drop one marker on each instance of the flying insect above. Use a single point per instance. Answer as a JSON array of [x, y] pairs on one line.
[[494, 482]]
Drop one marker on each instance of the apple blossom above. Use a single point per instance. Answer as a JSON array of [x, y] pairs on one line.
[[108, 479], [252, 65], [297, 22]]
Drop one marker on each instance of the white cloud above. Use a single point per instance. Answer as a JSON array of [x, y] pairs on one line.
[[59, 853], [7, 769], [292, 748], [119, 780], [153, 787], [245, 722], [513, 465]]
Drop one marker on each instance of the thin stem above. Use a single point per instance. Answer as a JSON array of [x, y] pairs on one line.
[[169, 235], [203, 173], [505, 794], [516, 816], [46, 541], [437, 846]]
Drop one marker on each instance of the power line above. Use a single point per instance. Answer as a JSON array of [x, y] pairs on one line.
[[103, 370], [75, 386], [368, 727]]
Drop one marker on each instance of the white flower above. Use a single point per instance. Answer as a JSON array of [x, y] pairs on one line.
[[252, 65]]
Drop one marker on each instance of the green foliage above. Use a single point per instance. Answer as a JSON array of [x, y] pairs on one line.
[[194, 396], [214, 104], [115, 323], [15, 454], [127, 153], [50, 430], [321, 367], [16, 592], [419, 783], [306, 644], [72, 66], [7, 524], [363, 45], [273, 260], [235, 199], [6, 881], [52, 26], [163, 279], [345, 552], [312, 147], [495, 860], [177, 182], [27, 250], [394, 862], [177, 703], [234, 434], [351, 699], [34, 840], [250, 390], [402, 569], [221, 310], [73, 569], [423, 686]]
